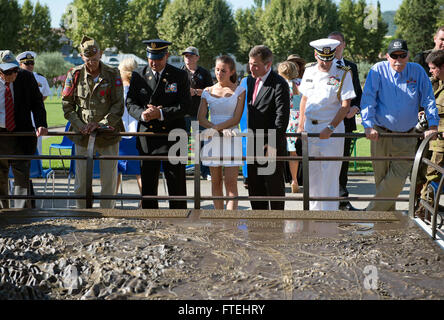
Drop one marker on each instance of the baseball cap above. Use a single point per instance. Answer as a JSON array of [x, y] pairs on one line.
[[7, 60], [397, 45], [191, 50]]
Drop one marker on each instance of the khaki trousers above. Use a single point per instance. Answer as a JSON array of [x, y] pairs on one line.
[[432, 174], [108, 174], [390, 175]]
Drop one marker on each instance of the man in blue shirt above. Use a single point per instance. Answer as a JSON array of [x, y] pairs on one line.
[[393, 92]]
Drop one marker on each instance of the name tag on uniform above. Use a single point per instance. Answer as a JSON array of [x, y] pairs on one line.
[[171, 88]]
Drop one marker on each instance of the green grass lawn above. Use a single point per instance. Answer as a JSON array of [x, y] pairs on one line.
[[55, 118]]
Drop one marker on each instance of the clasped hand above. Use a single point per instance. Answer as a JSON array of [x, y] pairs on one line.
[[151, 112], [89, 128]]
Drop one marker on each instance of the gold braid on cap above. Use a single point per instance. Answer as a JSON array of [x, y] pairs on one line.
[[153, 47]]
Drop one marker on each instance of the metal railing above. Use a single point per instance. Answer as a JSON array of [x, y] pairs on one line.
[[197, 198], [414, 202]]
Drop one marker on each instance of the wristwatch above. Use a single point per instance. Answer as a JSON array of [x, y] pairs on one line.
[[331, 128]]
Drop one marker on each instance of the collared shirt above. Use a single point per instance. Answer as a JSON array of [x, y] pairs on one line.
[[392, 99], [263, 79], [2, 100], [321, 89]]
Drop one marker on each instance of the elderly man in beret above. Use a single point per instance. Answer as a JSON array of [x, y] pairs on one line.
[[20, 99], [92, 100]]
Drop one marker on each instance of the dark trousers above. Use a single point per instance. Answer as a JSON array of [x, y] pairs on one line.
[[175, 177], [269, 185], [20, 170], [343, 176]]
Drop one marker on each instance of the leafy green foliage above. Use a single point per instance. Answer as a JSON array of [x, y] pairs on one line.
[[35, 29], [416, 21], [51, 65], [248, 31], [9, 25], [205, 24], [289, 26], [363, 29]]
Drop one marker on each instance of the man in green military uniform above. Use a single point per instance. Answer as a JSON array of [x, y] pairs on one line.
[[435, 61], [439, 45], [93, 99]]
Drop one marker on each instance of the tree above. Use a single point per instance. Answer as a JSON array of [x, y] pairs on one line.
[[363, 28], [416, 21], [51, 65], [248, 31], [35, 30], [10, 24], [103, 20], [289, 26], [140, 23], [205, 24]]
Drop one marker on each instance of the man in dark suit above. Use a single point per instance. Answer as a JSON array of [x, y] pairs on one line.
[[19, 96], [159, 96], [349, 120], [268, 103]]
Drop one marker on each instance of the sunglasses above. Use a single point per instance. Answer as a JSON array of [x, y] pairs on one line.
[[29, 63], [9, 72], [396, 56]]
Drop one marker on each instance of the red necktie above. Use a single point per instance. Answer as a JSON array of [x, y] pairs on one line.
[[256, 87], [9, 109]]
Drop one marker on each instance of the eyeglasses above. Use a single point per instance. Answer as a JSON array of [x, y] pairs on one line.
[[29, 63], [9, 72], [396, 56]]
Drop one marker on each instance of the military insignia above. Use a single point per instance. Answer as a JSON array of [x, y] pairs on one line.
[[102, 93], [171, 88], [326, 50], [150, 78], [103, 100], [333, 81], [308, 80], [118, 82]]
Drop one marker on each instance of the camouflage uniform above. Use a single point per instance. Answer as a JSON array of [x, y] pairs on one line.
[[86, 100], [436, 146]]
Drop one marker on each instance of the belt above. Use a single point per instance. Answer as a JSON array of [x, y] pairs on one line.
[[390, 131], [318, 121]]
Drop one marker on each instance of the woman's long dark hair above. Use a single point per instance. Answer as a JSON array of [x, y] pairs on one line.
[[228, 60]]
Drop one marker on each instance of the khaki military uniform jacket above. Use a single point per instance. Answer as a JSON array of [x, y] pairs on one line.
[[87, 101], [438, 89]]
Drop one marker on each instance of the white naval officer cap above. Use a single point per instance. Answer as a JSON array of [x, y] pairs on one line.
[[26, 56], [325, 48]]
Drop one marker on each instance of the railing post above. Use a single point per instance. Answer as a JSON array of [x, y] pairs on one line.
[[90, 169], [196, 133], [414, 175], [305, 170]]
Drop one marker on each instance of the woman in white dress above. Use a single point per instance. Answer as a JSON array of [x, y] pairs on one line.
[[225, 101]]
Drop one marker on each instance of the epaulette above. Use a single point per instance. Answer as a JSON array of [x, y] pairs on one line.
[[310, 64], [345, 68]]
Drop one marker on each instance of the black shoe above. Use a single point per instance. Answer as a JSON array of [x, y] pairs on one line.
[[347, 207]]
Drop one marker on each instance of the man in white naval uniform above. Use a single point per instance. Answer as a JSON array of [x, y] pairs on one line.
[[327, 91], [26, 61]]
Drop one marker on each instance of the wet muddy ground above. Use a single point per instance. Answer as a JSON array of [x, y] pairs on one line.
[[205, 259]]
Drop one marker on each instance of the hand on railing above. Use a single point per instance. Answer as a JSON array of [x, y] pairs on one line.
[[431, 131]]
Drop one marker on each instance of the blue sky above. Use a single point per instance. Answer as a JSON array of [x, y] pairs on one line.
[[57, 7]]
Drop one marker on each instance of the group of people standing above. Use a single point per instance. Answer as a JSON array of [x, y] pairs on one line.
[[321, 97]]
